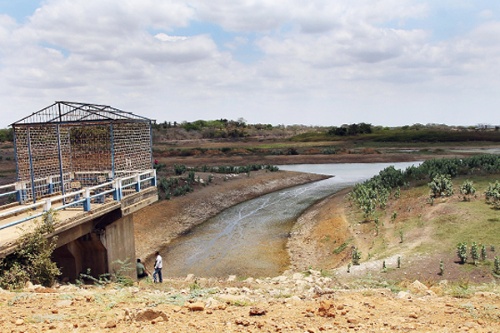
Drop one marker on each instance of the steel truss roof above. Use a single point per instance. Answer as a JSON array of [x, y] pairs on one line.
[[73, 112]]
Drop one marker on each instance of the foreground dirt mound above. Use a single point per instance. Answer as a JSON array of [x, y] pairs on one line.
[[301, 302]]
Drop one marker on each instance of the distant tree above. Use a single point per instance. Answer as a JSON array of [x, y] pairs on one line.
[[351, 130], [365, 128], [6, 134]]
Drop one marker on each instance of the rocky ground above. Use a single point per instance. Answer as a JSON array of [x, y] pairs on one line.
[[300, 300]]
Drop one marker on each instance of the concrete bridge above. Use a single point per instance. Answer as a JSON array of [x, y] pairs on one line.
[[94, 225], [90, 164]]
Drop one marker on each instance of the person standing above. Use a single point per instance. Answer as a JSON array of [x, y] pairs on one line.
[[157, 277]]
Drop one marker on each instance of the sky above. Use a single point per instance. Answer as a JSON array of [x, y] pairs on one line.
[[279, 62]]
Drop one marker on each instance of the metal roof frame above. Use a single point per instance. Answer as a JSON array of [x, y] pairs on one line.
[[74, 112]]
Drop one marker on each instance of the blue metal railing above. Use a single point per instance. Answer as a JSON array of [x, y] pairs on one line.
[[79, 198], [4, 187]]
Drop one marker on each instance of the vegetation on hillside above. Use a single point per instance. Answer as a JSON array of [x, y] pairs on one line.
[[406, 134], [240, 130], [181, 180], [444, 209], [375, 192]]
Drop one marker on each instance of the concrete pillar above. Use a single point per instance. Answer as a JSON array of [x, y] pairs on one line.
[[81, 255], [118, 239], [66, 262], [93, 255]]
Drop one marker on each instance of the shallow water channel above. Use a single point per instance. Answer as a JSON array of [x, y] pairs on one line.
[[249, 239]]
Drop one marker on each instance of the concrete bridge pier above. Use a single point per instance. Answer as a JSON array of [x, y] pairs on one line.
[[99, 246]]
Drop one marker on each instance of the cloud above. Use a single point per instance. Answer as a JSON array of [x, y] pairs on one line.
[[266, 61]]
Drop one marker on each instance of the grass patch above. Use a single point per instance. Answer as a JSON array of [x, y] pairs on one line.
[[342, 247]]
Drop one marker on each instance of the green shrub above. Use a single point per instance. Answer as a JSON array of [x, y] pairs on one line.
[[492, 194], [467, 189], [474, 252], [31, 261], [179, 169], [496, 267], [441, 186], [483, 252], [462, 252], [356, 256]]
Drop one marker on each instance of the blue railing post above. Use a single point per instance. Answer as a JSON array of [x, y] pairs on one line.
[[117, 193], [153, 180], [138, 183], [51, 185], [48, 205], [20, 192], [86, 203]]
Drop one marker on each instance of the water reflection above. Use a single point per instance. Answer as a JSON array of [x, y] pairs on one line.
[[249, 239]]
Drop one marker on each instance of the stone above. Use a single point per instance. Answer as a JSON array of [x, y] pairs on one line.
[[326, 309], [418, 288], [149, 315], [196, 306], [242, 322], [255, 311], [403, 295], [157, 320], [64, 303]]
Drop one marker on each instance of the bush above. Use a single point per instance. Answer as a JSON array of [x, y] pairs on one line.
[[492, 194], [31, 261], [179, 169], [356, 256], [462, 252], [496, 266], [474, 252], [467, 189], [441, 186]]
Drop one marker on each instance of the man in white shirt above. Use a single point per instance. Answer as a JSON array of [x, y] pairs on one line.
[[157, 277]]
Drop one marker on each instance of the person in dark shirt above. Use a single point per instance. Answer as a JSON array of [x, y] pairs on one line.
[[141, 270]]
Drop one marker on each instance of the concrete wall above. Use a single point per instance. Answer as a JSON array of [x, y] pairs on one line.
[[118, 239]]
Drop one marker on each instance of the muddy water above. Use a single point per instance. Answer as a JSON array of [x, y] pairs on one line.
[[249, 239]]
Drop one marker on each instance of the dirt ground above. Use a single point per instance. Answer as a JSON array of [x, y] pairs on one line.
[[312, 296], [298, 303]]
